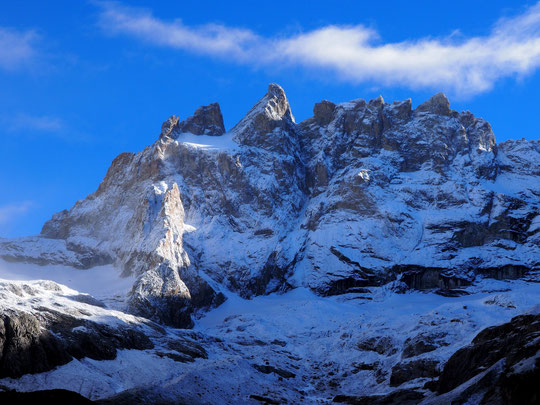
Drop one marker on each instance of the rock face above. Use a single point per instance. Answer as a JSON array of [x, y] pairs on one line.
[[507, 357], [58, 397], [360, 194], [422, 368], [44, 325], [207, 120], [36, 337], [33, 346]]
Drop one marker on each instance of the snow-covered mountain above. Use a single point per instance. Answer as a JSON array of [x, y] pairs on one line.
[[358, 195], [341, 219]]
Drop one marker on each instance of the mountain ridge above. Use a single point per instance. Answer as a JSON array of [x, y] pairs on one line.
[[361, 194]]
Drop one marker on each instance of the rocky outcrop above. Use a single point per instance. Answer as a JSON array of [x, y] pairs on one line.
[[400, 397], [26, 349], [44, 325], [507, 359], [438, 104], [423, 343], [207, 120], [411, 370], [361, 194], [35, 343], [57, 397]]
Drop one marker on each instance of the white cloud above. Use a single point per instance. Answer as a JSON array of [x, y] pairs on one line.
[[45, 126], [355, 53], [211, 39], [16, 48], [31, 123], [11, 211]]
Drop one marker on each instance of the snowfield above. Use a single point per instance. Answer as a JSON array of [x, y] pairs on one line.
[[295, 347], [102, 282]]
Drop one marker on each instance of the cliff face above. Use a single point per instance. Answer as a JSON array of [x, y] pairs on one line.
[[361, 194]]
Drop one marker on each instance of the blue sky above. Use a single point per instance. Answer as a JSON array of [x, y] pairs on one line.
[[81, 82]]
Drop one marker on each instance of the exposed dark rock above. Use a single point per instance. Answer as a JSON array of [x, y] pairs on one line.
[[451, 292], [399, 397], [364, 366], [56, 397], [504, 272], [437, 104], [264, 400], [174, 310], [410, 370], [28, 346], [189, 348], [25, 348], [422, 278], [266, 369], [207, 120], [279, 342], [384, 345], [423, 343], [324, 112], [402, 109], [348, 285], [517, 342], [169, 126]]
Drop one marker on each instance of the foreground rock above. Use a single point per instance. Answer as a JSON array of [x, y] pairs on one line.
[[57, 397], [501, 365], [291, 348], [44, 325]]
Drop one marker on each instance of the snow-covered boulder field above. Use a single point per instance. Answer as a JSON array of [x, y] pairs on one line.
[[351, 257]]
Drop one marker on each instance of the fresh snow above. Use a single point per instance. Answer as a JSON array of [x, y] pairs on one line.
[[317, 336], [224, 141], [103, 282]]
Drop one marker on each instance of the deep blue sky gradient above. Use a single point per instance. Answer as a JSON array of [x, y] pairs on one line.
[[110, 94]]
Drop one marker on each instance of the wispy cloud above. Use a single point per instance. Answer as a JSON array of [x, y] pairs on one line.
[[17, 49], [10, 212], [355, 53], [42, 123], [33, 126]]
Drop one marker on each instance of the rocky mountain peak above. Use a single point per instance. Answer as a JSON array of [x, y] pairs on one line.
[[207, 120], [274, 106], [437, 104], [377, 102], [270, 115], [277, 105], [324, 112], [169, 126]]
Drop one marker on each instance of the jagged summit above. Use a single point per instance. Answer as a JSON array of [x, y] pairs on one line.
[[207, 120], [269, 124], [277, 105], [323, 112], [437, 104], [169, 126]]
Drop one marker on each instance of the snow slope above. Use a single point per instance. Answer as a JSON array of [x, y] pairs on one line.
[[102, 282], [315, 342]]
